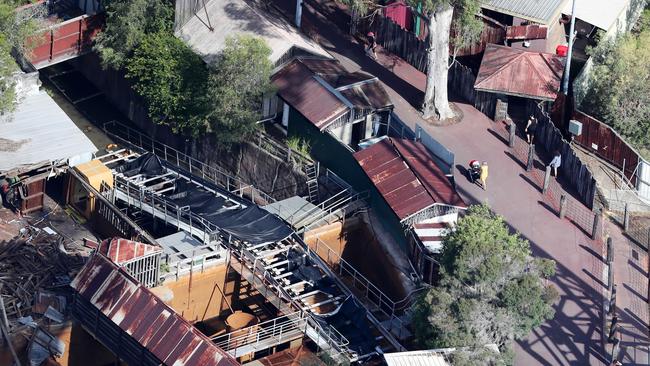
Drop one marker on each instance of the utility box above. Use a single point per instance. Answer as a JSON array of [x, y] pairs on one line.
[[575, 127]]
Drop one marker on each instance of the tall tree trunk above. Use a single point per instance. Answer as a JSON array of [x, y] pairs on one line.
[[436, 103]]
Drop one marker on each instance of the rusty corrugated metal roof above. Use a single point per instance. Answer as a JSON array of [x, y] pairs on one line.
[[121, 250], [298, 87], [521, 73], [322, 101], [406, 176], [145, 317]]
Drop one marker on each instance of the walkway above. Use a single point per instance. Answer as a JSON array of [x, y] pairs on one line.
[[573, 336]]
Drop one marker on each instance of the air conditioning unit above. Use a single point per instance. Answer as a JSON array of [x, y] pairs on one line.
[[575, 127]]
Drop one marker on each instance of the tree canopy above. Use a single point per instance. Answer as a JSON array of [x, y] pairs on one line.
[[128, 22], [178, 88], [171, 79], [452, 26], [15, 29], [619, 89], [491, 291], [239, 78]]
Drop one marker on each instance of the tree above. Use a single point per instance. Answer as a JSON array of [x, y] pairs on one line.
[[618, 90], [172, 80], [127, 24], [491, 291], [15, 30], [239, 78], [457, 17]]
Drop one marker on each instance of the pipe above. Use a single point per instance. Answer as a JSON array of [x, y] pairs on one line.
[[567, 68]]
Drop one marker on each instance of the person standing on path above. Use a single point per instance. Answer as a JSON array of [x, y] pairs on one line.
[[484, 175], [372, 44], [531, 128], [556, 162]]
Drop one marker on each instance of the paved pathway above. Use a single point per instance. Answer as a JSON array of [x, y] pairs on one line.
[[573, 336]]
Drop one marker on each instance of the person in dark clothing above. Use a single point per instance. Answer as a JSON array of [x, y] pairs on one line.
[[372, 44], [531, 128]]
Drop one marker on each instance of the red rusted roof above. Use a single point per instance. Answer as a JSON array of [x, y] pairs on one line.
[[298, 87], [521, 73], [406, 176], [522, 32], [123, 250], [145, 317]]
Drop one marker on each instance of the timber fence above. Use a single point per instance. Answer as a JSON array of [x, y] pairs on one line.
[[461, 83], [398, 41], [554, 197], [573, 169]]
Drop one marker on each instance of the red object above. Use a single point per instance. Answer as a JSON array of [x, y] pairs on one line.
[[400, 13], [522, 32], [562, 50]]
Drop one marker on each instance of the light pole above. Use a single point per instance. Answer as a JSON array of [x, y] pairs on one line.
[[567, 66]]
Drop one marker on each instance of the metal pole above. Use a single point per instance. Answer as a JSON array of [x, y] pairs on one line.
[[298, 13], [626, 218], [567, 68]]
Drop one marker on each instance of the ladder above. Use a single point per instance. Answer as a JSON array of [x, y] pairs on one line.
[[312, 182]]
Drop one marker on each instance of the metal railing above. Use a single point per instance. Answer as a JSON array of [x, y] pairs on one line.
[[304, 220], [276, 331], [283, 152], [369, 292], [214, 174], [261, 279]]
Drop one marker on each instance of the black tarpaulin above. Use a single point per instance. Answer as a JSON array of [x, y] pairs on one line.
[[350, 320], [148, 165], [250, 224]]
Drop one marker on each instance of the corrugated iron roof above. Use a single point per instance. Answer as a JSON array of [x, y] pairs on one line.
[[39, 131], [123, 250], [539, 11], [601, 13], [522, 73], [298, 87], [406, 176], [322, 101], [145, 317]]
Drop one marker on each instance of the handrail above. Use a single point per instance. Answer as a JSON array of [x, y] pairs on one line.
[[316, 208], [215, 174], [323, 215]]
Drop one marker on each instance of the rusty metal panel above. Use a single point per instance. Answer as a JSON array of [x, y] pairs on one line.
[[146, 318], [35, 194], [523, 32], [432, 177]]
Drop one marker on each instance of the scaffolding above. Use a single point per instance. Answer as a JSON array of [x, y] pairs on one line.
[[266, 266]]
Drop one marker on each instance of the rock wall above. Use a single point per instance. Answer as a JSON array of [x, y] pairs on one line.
[[246, 161]]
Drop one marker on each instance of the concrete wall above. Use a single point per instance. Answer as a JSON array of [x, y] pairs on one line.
[[202, 300]]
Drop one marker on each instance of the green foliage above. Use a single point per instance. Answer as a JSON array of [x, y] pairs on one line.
[[239, 79], [171, 79], [128, 22], [491, 291], [15, 30], [299, 145], [618, 90]]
